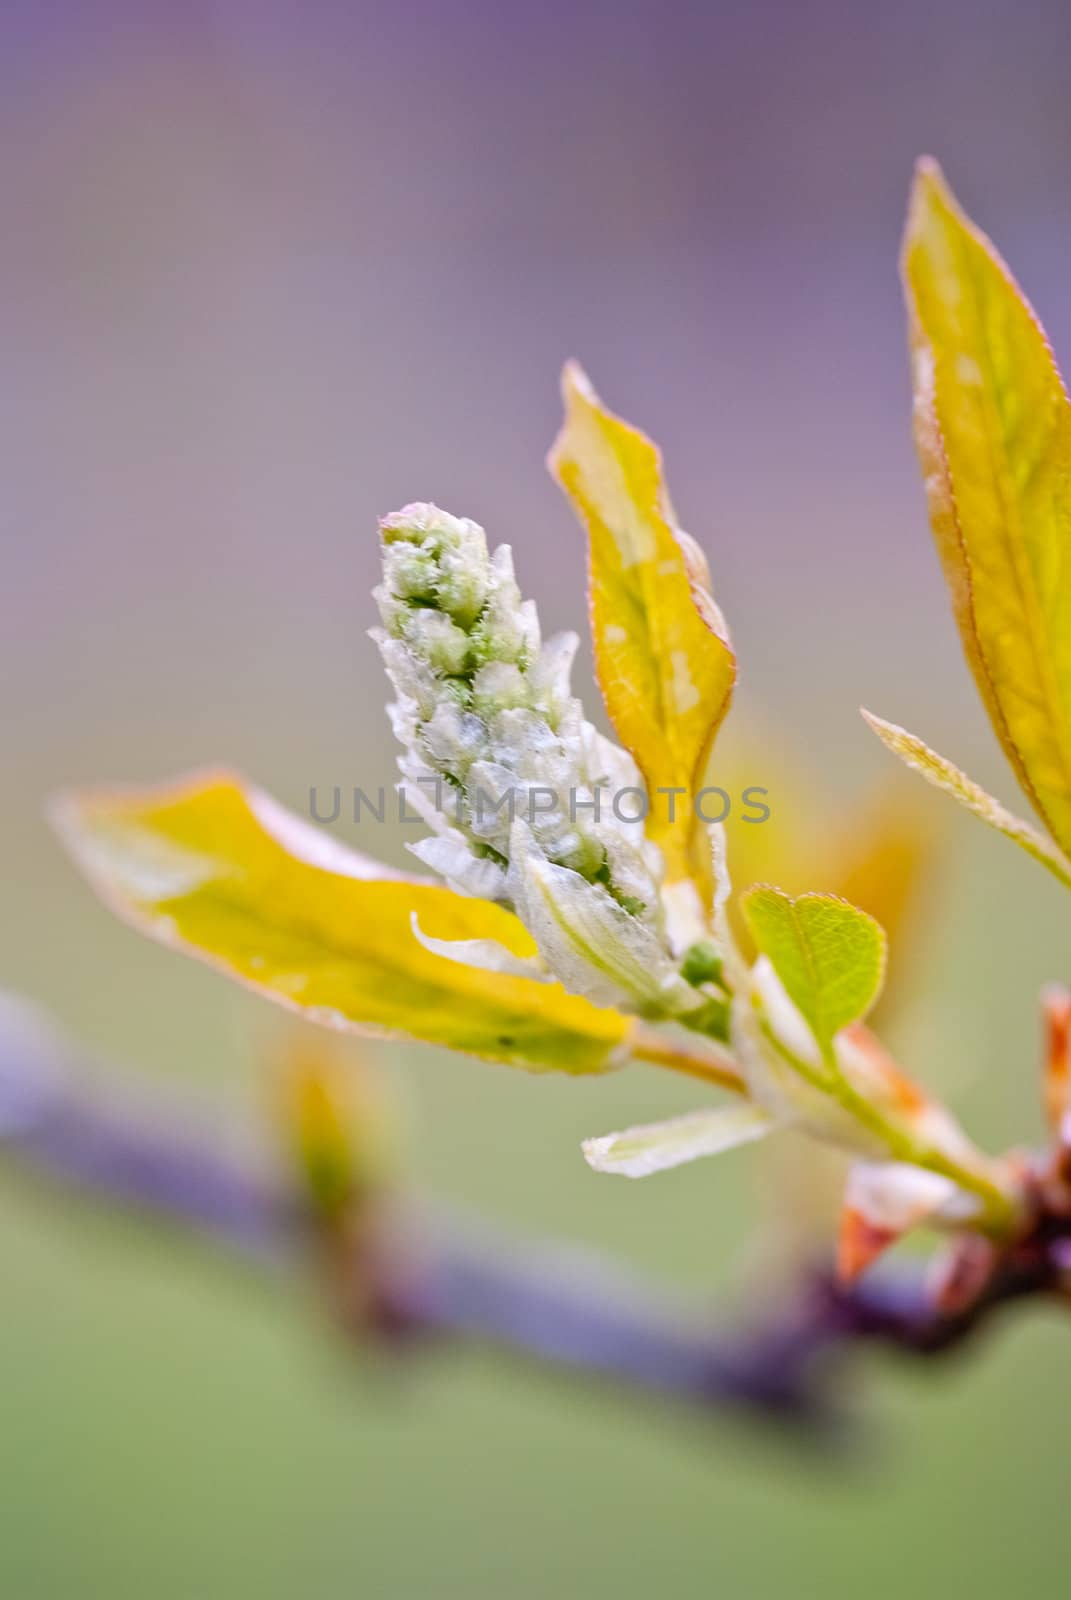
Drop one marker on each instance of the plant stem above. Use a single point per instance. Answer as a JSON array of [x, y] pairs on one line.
[[415, 1283], [711, 1064], [1003, 1211]]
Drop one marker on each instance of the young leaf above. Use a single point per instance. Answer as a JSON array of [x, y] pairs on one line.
[[662, 651], [829, 956], [221, 872], [638, 1152], [943, 775], [993, 429], [882, 1201]]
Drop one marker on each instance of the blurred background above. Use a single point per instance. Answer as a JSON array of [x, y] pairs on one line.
[[269, 271]]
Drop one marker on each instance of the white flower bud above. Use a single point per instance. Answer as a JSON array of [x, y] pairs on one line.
[[485, 708], [500, 686], [441, 643], [590, 942]]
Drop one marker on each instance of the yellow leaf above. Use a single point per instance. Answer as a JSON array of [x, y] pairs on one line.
[[993, 428], [220, 871], [943, 775], [662, 651]]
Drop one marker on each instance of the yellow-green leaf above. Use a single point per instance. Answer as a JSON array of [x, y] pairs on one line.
[[662, 651], [993, 428], [829, 955], [943, 775], [216, 869]]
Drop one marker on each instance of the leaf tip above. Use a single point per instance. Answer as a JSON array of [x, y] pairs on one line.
[[575, 382], [885, 730], [576, 390], [597, 1152], [928, 172], [929, 184], [66, 810], [612, 1154], [930, 196]]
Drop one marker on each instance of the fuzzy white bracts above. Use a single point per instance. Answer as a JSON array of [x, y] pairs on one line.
[[518, 787]]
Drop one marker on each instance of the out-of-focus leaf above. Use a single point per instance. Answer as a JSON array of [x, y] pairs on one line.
[[782, 848], [882, 852], [221, 872], [885, 858], [333, 1122], [637, 1152], [943, 775], [829, 956], [662, 651], [993, 428]]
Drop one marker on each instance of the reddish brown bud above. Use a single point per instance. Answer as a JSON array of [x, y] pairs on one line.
[[859, 1243], [960, 1273], [1056, 1018]]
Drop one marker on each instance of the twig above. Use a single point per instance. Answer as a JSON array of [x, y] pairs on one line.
[[407, 1279], [710, 1062]]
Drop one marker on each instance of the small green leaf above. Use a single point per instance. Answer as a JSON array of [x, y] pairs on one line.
[[637, 1152], [219, 871], [943, 775], [829, 955]]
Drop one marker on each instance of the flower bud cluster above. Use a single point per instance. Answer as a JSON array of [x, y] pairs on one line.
[[490, 728]]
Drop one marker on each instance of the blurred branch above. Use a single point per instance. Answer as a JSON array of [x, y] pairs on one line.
[[405, 1280]]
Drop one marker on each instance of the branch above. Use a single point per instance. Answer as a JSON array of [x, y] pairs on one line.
[[411, 1280]]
